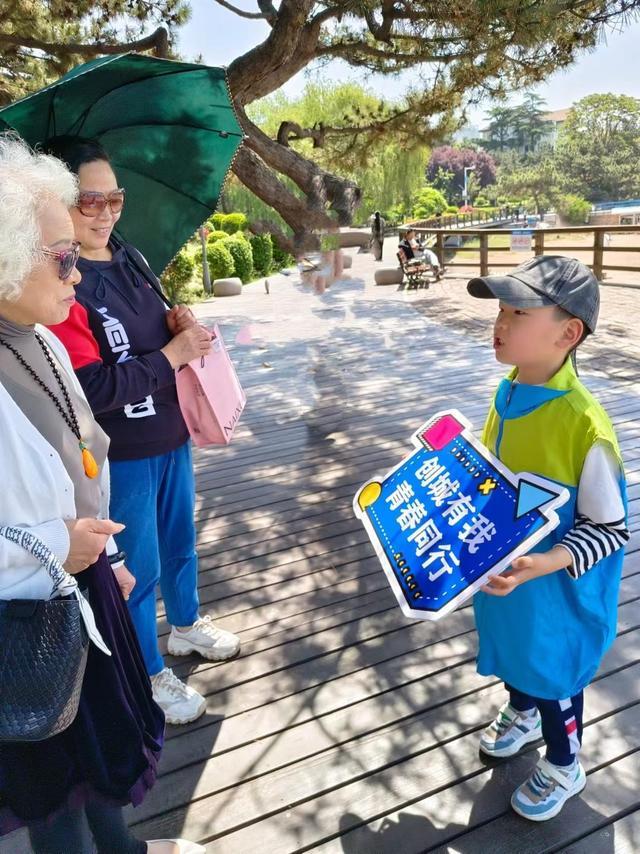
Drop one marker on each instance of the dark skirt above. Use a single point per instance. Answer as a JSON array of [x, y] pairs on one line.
[[111, 749]]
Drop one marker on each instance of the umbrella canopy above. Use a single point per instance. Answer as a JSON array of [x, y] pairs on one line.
[[169, 128]]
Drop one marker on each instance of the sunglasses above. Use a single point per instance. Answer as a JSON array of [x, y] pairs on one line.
[[91, 203], [66, 258]]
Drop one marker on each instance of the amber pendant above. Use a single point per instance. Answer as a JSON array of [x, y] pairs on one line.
[[91, 467]]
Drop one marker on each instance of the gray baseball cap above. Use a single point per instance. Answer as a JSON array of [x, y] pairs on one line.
[[545, 280]]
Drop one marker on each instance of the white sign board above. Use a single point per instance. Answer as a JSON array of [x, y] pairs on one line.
[[521, 240]]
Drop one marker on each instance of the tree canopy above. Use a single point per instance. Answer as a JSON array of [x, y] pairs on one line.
[[446, 169], [456, 51], [598, 149]]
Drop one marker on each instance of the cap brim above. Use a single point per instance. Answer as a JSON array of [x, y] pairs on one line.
[[509, 289]]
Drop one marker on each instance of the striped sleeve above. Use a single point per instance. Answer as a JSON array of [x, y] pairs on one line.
[[589, 542]]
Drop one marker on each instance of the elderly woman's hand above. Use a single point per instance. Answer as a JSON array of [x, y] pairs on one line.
[[87, 540], [126, 581], [180, 318]]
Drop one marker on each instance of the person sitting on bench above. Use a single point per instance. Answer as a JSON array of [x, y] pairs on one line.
[[408, 248]]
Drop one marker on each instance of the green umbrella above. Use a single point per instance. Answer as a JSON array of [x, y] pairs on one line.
[[169, 128]]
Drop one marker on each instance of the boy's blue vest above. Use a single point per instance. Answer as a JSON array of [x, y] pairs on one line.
[[547, 637]]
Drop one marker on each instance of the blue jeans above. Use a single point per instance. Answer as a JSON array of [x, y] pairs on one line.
[[155, 497]]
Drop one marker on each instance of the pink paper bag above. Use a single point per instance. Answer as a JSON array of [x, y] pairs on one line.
[[210, 395]]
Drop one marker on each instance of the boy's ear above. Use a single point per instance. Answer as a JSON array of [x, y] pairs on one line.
[[572, 334]]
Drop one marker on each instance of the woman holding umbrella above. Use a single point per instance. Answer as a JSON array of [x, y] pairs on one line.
[[56, 486], [125, 348]]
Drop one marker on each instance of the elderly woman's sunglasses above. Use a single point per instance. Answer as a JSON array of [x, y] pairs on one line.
[[66, 258], [91, 203]]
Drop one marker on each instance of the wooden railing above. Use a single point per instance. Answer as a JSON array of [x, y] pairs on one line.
[[460, 220], [599, 246]]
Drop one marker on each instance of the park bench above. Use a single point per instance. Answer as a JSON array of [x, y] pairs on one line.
[[417, 273]]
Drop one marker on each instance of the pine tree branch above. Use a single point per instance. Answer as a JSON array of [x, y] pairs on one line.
[[158, 41], [260, 16]]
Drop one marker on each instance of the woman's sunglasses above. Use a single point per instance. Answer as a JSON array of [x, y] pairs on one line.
[[92, 203], [66, 258]]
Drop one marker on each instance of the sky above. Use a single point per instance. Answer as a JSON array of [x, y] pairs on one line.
[[220, 36]]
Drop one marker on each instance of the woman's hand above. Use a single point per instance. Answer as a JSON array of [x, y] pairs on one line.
[[187, 345], [126, 581], [87, 540], [180, 318]]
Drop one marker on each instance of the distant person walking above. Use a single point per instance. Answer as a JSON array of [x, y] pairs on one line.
[[377, 235]]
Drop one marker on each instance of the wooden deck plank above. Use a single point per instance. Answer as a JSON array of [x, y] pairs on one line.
[[344, 727]]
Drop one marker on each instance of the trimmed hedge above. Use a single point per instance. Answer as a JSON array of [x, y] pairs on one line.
[[216, 220], [177, 276], [262, 248], [220, 260], [282, 259], [240, 250], [233, 222], [217, 235]]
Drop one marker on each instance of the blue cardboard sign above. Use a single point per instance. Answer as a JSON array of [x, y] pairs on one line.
[[451, 514]]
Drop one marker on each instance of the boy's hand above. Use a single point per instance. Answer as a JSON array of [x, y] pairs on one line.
[[525, 568], [521, 571]]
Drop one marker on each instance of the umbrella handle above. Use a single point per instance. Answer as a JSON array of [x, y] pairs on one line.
[[137, 261]]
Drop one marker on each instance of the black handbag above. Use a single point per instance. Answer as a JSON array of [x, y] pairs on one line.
[[43, 653]]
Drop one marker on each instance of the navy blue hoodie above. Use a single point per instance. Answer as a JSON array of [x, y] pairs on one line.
[[114, 334]]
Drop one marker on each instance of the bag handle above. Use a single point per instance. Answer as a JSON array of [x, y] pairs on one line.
[[28, 541], [63, 582]]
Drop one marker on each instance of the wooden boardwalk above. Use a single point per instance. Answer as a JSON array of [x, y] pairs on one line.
[[343, 726]]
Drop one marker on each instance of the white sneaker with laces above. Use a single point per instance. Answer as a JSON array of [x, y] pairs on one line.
[[206, 639], [184, 845], [510, 731], [548, 788], [180, 703]]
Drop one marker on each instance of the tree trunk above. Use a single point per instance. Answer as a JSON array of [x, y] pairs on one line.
[[290, 47], [263, 183], [322, 189]]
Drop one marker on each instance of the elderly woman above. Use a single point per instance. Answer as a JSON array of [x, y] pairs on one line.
[[56, 485], [125, 348]]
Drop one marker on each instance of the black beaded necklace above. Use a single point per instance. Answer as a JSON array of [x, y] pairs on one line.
[[91, 468]]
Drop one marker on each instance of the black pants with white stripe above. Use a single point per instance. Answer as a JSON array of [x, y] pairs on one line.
[[561, 723]]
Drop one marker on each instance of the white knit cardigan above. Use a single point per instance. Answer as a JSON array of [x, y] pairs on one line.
[[36, 492]]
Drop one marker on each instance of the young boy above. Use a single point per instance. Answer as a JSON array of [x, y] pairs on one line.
[[544, 625]]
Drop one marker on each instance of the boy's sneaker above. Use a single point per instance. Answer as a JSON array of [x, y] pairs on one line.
[[204, 638], [510, 731], [180, 703], [545, 792]]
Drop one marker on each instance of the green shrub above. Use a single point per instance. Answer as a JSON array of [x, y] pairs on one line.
[[574, 209], [262, 248], [240, 250], [233, 222], [481, 202], [216, 235], [221, 263], [428, 202], [451, 209], [177, 277], [282, 259], [216, 220]]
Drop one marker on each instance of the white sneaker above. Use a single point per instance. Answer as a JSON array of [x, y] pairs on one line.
[[510, 731], [184, 846], [180, 703], [548, 788], [205, 639]]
